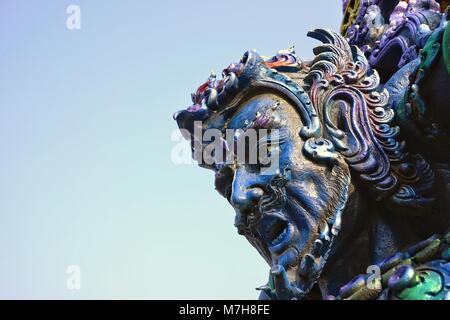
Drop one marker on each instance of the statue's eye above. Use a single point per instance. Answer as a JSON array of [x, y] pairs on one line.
[[267, 151]]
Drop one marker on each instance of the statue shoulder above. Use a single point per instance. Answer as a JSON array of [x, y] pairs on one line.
[[420, 273]]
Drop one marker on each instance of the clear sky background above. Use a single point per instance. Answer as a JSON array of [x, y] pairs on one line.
[[86, 176]]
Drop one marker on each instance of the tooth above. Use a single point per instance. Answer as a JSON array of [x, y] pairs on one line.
[[232, 83], [337, 225], [325, 232]]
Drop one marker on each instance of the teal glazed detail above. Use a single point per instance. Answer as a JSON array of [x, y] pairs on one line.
[[420, 273], [429, 283]]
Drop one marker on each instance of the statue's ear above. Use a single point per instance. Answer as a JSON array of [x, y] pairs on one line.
[[342, 116], [346, 130], [358, 126], [355, 117]]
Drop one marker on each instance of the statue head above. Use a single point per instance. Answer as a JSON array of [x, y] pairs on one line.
[[325, 130]]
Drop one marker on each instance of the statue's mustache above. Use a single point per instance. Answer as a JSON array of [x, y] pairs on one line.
[[271, 202], [276, 194]]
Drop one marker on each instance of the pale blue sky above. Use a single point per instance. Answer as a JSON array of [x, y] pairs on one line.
[[85, 126]]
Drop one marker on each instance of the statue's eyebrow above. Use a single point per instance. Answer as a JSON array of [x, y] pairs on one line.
[[269, 138]]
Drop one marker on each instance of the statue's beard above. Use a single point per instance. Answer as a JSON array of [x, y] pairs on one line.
[[298, 220]]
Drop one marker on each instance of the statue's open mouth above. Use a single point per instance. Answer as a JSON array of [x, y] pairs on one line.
[[277, 233]]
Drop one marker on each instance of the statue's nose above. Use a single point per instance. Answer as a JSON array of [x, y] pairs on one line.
[[244, 194], [245, 198]]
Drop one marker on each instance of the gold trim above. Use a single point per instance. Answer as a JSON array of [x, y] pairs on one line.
[[350, 14]]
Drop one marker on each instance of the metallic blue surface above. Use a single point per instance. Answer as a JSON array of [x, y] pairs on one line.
[[352, 188]]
